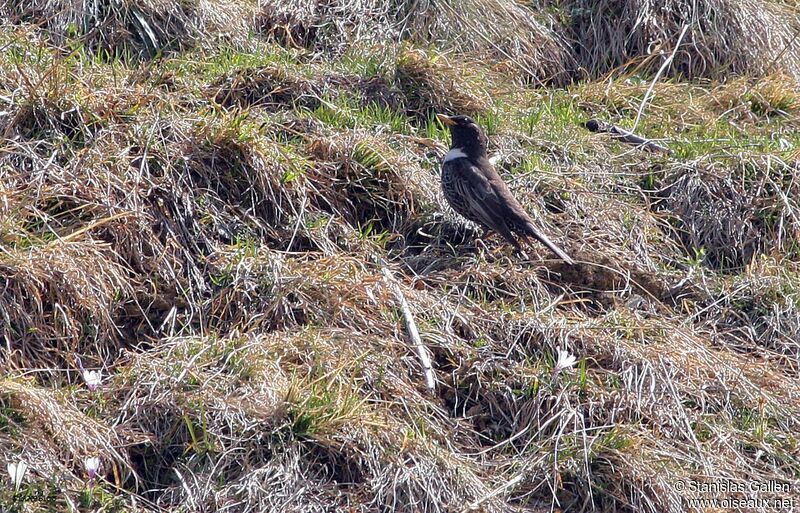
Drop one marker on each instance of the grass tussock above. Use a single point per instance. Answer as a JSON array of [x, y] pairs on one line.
[[142, 29], [752, 37], [433, 86], [520, 39], [278, 88], [59, 295], [201, 258], [727, 218]]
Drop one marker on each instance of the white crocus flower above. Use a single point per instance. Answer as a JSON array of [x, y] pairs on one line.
[[17, 473], [563, 362]]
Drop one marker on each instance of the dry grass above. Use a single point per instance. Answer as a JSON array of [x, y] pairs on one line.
[[209, 231], [518, 39], [752, 37], [733, 215], [433, 86], [133, 28], [275, 88]]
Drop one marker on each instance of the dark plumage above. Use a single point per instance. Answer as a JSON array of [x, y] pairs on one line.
[[475, 190]]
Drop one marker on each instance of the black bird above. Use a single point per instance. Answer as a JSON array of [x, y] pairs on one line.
[[475, 190]]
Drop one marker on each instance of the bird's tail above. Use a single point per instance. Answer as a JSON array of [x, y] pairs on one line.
[[536, 234]]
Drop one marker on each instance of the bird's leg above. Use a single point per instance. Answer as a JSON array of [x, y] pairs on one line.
[[480, 241], [476, 243], [521, 253], [480, 245]]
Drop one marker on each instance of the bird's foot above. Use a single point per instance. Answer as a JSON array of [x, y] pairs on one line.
[[480, 245], [478, 249], [521, 253], [491, 254]]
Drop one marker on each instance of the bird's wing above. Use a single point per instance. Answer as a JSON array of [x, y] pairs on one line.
[[477, 191], [494, 205]]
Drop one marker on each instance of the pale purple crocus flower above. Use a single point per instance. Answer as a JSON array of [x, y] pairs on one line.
[[92, 465], [93, 379]]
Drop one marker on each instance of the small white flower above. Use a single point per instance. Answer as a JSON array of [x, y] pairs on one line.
[[93, 379], [92, 465], [563, 362], [17, 473]]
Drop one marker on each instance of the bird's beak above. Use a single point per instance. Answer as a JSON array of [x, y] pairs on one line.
[[446, 120]]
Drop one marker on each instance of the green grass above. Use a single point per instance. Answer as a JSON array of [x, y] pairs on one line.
[[347, 112], [202, 67], [323, 409]]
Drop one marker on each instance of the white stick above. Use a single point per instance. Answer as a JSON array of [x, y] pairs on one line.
[[658, 75], [411, 327]]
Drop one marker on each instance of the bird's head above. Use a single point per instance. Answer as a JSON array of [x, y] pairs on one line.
[[466, 134]]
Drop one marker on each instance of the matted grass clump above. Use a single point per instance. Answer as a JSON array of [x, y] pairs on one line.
[[751, 37], [518, 38], [133, 28], [434, 86], [277, 88], [729, 216]]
